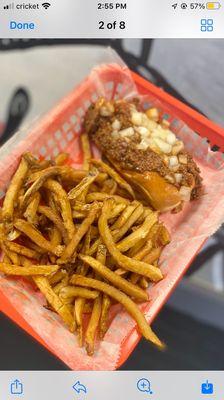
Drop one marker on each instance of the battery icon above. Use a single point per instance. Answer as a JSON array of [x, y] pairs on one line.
[[213, 5]]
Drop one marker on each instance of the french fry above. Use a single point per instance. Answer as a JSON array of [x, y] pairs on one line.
[[61, 285], [71, 247], [119, 233], [38, 183], [123, 261], [10, 254], [142, 232], [143, 251], [83, 185], [6, 259], [124, 216], [115, 279], [22, 250], [31, 211], [13, 234], [45, 288], [28, 230], [57, 277], [114, 175], [109, 254], [55, 218], [92, 326], [36, 164], [78, 314], [71, 291], [123, 299], [64, 203], [10, 269], [164, 236], [109, 186], [143, 283], [12, 193], [86, 151], [61, 158], [153, 255], [106, 304]]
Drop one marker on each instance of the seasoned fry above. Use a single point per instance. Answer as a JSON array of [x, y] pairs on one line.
[[34, 163], [61, 158], [31, 211], [13, 234], [116, 280], [123, 261], [12, 193], [124, 216], [57, 277], [143, 283], [78, 313], [10, 269], [71, 247], [63, 201], [71, 291], [83, 185], [122, 298], [106, 303], [116, 210], [153, 255], [164, 236], [37, 237], [109, 186], [95, 246], [118, 234], [114, 175], [22, 250], [55, 218], [43, 176], [55, 236], [61, 285], [92, 326], [44, 286], [143, 251], [140, 233], [86, 151], [10, 254]]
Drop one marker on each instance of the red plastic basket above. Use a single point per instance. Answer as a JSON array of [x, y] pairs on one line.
[[63, 112]]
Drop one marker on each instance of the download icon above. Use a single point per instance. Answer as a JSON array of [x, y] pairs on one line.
[[207, 388]]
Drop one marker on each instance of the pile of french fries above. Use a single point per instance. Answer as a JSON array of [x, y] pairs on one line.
[[83, 239]]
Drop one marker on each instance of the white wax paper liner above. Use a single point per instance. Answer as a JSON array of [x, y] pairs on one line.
[[59, 131]]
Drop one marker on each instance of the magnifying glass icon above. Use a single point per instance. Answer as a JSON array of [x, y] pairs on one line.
[[144, 385]]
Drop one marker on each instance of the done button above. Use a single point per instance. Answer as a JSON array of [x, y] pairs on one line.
[[22, 25]]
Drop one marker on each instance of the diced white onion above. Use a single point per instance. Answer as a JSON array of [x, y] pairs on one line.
[[116, 125], [185, 193], [142, 131], [127, 132], [171, 138], [169, 178], [177, 147], [173, 161], [178, 177], [163, 146], [136, 118]]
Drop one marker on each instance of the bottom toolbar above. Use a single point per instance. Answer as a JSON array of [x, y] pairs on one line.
[[133, 385]]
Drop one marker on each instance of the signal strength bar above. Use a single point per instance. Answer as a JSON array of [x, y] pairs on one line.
[[9, 7]]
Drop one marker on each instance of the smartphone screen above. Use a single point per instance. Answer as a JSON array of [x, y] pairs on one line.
[[111, 199]]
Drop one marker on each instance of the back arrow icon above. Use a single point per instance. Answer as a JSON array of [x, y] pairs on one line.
[[78, 387]]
